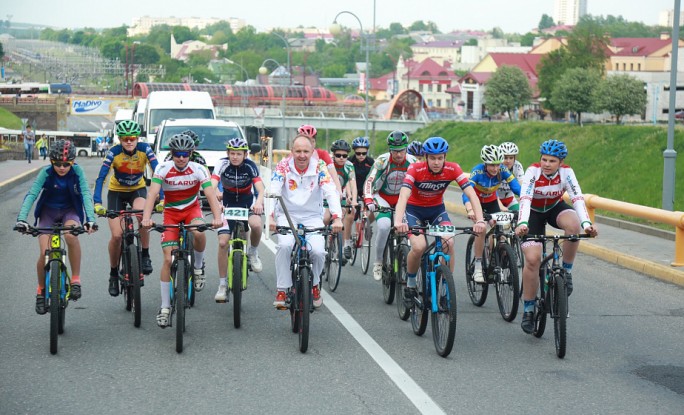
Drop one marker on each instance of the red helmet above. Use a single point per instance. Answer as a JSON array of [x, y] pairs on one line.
[[307, 130]]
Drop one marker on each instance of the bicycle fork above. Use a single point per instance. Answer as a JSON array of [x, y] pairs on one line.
[[243, 271]]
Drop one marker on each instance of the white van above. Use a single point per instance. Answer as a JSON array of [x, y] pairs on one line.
[[139, 111], [164, 105]]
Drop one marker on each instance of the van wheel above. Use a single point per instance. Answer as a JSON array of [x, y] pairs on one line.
[[82, 153]]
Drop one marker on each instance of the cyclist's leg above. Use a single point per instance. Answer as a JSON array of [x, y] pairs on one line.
[[317, 252], [441, 217], [383, 229], [223, 248], [139, 203], [283, 253], [164, 315], [255, 226], [43, 242], [418, 245], [567, 219], [200, 244]]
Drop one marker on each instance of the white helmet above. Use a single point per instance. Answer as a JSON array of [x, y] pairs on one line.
[[508, 148], [490, 154]]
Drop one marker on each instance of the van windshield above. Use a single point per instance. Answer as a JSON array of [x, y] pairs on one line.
[[159, 115], [212, 138]]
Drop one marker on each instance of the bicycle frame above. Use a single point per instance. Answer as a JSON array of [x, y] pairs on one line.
[[238, 242]]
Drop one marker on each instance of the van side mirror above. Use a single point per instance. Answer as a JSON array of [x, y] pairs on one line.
[[254, 148]]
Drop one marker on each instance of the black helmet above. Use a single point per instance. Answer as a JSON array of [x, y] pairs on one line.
[[181, 142], [397, 140], [340, 145], [63, 150], [192, 135]]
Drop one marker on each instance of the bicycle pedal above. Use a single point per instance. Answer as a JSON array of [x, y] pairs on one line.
[[282, 307]]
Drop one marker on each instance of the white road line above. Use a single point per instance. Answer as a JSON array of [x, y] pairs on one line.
[[420, 399]]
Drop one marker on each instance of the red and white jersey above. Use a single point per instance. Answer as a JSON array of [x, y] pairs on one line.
[[427, 188], [181, 188], [325, 156], [541, 193]]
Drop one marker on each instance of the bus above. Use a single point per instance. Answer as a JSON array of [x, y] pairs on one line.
[[85, 143], [34, 88]]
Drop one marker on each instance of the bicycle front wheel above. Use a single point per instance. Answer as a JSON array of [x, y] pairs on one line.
[[236, 286], [367, 233], [507, 282], [388, 273], [444, 318], [419, 312], [190, 265], [133, 289], [334, 261], [304, 307], [53, 288], [356, 238], [476, 291], [402, 254], [559, 298], [180, 299], [541, 305]]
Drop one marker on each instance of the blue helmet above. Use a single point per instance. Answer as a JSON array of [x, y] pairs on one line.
[[554, 148], [435, 145], [360, 142], [416, 148]]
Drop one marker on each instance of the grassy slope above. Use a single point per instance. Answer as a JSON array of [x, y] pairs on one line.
[[9, 120]]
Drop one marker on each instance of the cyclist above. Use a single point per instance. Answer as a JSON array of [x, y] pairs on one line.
[[303, 182], [362, 162], [345, 171], [382, 189], [181, 180], [506, 196], [422, 200], [320, 154], [541, 203], [416, 150], [63, 196], [126, 186], [196, 156], [238, 176], [486, 178]]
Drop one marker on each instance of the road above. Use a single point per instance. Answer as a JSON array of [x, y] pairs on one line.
[[625, 333]]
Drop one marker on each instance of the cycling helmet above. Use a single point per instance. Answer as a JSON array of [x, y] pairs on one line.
[[435, 145], [360, 142], [307, 130], [397, 140], [416, 148], [128, 128], [62, 150], [508, 148], [192, 135], [340, 145], [237, 143], [554, 148], [181, 142], [490, 154]]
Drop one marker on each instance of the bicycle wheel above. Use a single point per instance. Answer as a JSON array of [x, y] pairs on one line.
[[476, 291], [507, 282], [519, 257], [444, 319], [419, 312], [304, 307], [334, 263], [541, 305], [53, 290], [293, 299], [63, 301], [356, 240], [125, 287], [366, 245], [236, 286], [180, 299], [190, 246], [134, 283], [388, 273], [402, 254], [559, 298]]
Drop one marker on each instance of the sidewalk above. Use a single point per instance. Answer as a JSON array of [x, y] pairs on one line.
[[15, 172]]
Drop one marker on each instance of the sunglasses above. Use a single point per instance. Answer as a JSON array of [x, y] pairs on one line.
[[360, 154], [341, 156], [62, 163], [127, 139], [180, 154]]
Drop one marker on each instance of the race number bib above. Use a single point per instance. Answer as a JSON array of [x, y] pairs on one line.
[[441, 230], [231, 213], [502, 218]]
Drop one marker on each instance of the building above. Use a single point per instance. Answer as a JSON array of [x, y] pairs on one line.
[[439, 51], [667, 18], [428, 77], [183, 50], [143, 25], [569, 12]]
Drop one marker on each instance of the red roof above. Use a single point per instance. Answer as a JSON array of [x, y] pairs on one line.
[[638, 46], [428, 68], [527, 62], [380, 83]]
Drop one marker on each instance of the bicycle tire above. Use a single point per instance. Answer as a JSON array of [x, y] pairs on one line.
[[444, 320], [476, 291], [125, 288], [403, 311], [388, 286], [419, 316], [357, 239], [236, 286], [366, 247], [180, 299], [519, 257], [304, 307], [541, 304], [190, 247], [507, 282], [53, 290], [134, 283], [559, 303], [292, 297], [334, 263], [63, 302]]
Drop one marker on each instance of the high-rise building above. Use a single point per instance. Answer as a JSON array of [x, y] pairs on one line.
[[667, 18], [569, 12]]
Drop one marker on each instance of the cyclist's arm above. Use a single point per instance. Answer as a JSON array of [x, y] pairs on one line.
[[213, 203], [102, 176], [475, 202], [368, 186], [335, 178], [32, 195], [400, 207], [152, 194], [259, 203], [573, 189]]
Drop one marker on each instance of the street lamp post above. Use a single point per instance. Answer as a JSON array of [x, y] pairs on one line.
[[670, 155], [336, 29], [289, 69], [281, 142]]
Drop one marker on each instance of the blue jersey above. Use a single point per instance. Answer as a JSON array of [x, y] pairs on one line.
[[128, 169], [237, 181], [486, 185]]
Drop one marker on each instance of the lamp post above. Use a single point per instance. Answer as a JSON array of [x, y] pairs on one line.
[[281, 142], [670, 155], [242, 91], [287, 45], [336, 29]]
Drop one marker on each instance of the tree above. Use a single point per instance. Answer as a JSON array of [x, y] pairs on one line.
[[527, 39], [574, 91], [507, 90], [144, 55], [588, 45], [545, 22], [497, 33], [620, 95]]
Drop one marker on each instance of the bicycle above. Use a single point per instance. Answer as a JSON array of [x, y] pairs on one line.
[[238, 270], [364, 234], [131, 277], [182, 265], [334, 257], [57, 279], [552, 296], [435, 289], [394, 264], [499, 266]]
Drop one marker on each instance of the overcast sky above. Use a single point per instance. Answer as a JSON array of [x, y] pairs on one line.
[[512, 16]]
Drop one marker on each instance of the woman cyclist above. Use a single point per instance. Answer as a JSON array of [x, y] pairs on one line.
[[541, 203], [505, 194]]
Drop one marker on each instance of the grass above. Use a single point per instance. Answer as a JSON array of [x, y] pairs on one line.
[[9, 120]]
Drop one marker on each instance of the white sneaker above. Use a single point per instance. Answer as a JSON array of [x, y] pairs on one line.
[[255, 261], [164, 317], [477, 273], [199, 278], [377, 272], [221, 295]]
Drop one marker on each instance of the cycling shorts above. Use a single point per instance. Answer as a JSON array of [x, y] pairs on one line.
[[50, 216], [536, 225], [117, 201], [174, 217], [427, 215]]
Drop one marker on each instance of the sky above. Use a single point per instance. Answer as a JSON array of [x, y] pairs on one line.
[[512, 16]]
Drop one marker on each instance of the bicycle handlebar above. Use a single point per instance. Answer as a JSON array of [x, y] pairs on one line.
[[35, 231], [416, 229], [284, 230], [544, 238], [112, 214], [201, 227]]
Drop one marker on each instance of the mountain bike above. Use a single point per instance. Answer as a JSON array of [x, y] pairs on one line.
[[182, 277], [334, 259], [57, 279], [364, 234], [499, 266], [435, 289], [394, 264], [552, 295], [238, 271]]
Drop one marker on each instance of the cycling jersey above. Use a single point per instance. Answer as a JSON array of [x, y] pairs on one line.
[[504, 191], [541, 193], [427, 188], [128, 169], [386, 178], [345, 172], [324, 156], [196, 157], [237, 181], [361, 170], [486, 185], [181, 188]]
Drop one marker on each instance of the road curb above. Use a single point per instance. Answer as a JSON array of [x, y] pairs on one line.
[[19, 179], [649, 268]]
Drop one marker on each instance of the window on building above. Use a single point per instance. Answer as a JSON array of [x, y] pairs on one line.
[[631, 67], [439, 88], [439, 103], [429, 103], [638, 67], [420, 87], [430, 88]]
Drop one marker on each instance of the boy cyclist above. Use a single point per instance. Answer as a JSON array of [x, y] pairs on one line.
[[345, 172], [505, 194]]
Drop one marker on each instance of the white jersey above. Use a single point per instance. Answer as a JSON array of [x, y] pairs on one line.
[[504, 191], [181, 188]]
